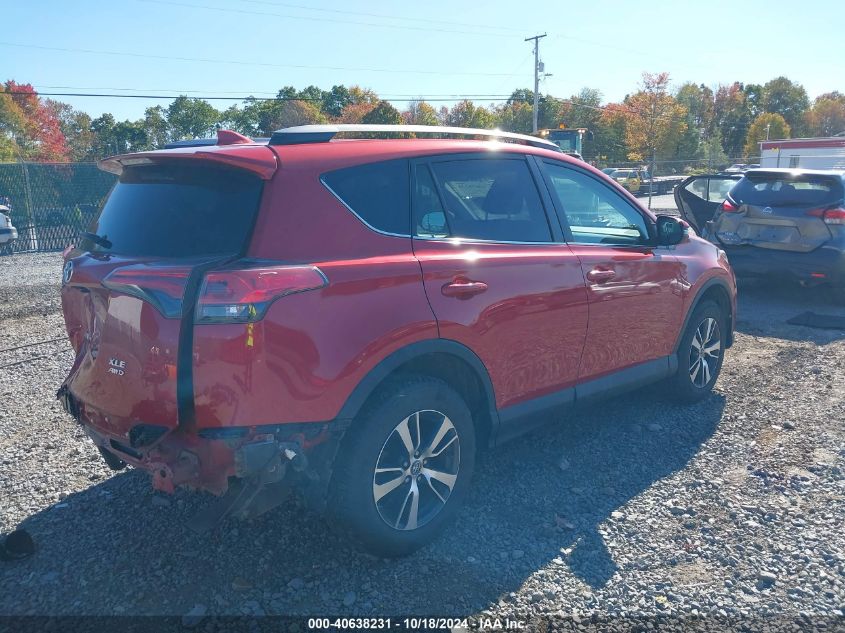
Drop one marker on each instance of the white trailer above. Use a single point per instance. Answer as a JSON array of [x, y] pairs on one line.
[[807, 153]]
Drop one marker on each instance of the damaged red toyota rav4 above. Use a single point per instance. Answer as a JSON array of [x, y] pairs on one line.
[[354, 318]]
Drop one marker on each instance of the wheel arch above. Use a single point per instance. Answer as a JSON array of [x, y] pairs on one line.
[[446, 359], [717, 290]]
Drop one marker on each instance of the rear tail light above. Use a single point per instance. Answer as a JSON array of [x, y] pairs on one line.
[[163, 288], [243, 296], [729, 207], [829, 216]]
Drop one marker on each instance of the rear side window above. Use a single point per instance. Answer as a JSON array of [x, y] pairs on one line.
[[780, 190], [378, 193], [178, 211], [486, 199]]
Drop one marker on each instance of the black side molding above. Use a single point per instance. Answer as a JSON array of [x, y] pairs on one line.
[[525, 416], [627, 379]]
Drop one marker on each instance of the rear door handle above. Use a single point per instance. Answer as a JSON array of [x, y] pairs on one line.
[[601, 275], [463, 288]]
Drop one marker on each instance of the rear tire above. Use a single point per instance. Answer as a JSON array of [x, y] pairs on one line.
[[700, 354], [395, 487]]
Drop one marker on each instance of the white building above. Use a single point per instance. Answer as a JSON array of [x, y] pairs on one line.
[[808, 153]]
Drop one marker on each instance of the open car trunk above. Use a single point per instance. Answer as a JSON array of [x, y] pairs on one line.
[[129, 290], [698, 198]]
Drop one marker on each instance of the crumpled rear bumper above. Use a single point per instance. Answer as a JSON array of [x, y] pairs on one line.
[[201, 460], [823, 265]]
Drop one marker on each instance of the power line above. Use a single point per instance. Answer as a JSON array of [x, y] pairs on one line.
[[383, 15], [241, 98], [180, 91], [171, 58], [320, 19]]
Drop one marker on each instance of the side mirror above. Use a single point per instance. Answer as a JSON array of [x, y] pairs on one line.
[[670, 230]]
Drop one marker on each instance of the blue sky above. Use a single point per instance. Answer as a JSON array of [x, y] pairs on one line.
[[435, 49]]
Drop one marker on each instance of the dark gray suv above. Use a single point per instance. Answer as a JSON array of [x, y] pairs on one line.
[[780, 222]]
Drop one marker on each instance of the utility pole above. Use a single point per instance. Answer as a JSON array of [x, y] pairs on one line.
[[536, 39]]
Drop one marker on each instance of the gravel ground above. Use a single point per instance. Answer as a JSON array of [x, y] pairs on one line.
[[732, 508]]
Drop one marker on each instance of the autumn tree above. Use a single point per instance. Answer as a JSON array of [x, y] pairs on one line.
[[826, 117], [155, 127], [291, 113], [335, 100], [355, 112], [515, 117], [754, 94], [609, 135], [357, 94], [583, 110], [420, 113], [697, 100], [549, 114], [190, 118], [39, 137], [768, 125], [384, 113], [787, 98], [115, 137], [466, 114], [655, 120], [731, 117], [76, 128], [12, 126]]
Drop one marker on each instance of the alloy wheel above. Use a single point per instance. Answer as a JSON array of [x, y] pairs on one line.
[[416, 470], [705, 351]]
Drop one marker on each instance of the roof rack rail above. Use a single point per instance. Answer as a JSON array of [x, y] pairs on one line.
[[193, 142], [304, 134], [224, 137]]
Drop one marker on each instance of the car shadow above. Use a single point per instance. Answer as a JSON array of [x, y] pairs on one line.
[[540, 501], [765, 306]]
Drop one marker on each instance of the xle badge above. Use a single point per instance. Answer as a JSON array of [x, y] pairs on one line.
[[116, 366]]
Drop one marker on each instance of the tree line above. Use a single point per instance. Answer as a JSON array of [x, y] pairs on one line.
[[679, 127]]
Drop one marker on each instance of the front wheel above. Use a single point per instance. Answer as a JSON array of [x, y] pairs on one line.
[[404, 466], [700, 353]]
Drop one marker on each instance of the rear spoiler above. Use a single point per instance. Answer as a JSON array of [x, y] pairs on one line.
[[229, 149]]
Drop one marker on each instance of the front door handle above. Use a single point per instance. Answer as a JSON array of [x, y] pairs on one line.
[[601, 275], [463, 288]]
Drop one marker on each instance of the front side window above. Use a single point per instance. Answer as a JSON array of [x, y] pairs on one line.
[[595, 213], [485, 199], [376, 192]]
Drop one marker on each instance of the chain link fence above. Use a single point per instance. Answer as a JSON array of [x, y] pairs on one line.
[[51, 202]]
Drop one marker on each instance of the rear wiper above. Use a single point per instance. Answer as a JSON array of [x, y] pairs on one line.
[[100, 240]]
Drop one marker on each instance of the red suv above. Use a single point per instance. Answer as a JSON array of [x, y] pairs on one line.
[[355, 318]]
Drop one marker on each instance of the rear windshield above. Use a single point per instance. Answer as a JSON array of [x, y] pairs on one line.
[[178, 211], [780, 190]]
